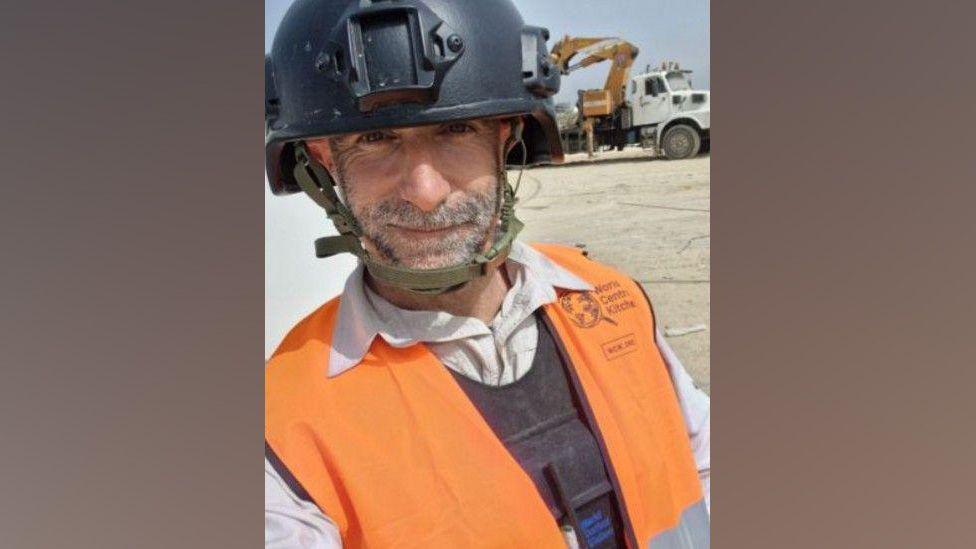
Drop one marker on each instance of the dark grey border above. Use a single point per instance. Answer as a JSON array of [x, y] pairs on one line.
[[842, 268], [132, 217]]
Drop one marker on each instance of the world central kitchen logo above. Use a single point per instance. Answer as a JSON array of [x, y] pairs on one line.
[[587, 309]]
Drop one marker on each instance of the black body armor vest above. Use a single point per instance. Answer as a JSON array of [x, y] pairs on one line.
[[539, 419]]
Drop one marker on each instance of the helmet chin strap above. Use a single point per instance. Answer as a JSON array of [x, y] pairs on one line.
[[318, 184]]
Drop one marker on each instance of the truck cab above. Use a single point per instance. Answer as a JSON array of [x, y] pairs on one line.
[[667, 114]]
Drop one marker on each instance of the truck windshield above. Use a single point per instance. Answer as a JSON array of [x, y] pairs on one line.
[[678, 82]]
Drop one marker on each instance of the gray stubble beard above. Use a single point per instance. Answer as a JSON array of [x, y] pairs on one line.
[[456, 248]]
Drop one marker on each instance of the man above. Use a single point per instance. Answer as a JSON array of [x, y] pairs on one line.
[[466, 389]]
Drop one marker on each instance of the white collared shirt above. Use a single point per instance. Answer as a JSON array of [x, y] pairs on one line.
[[496, 354]]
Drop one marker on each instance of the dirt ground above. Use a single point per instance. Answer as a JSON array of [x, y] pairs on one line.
[[645, 216]]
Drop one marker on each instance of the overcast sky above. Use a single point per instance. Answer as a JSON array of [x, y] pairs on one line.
[[675, 30]]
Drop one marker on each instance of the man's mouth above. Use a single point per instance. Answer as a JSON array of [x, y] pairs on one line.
[[429, 231]]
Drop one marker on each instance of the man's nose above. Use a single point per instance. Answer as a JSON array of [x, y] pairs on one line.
[[423, 184]]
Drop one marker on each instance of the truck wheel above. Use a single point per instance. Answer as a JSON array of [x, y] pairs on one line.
[[681, 141]]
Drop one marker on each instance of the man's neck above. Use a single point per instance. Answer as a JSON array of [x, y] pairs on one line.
[[481, 298]]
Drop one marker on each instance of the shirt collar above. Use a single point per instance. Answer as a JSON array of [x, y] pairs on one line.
[[361, 312]]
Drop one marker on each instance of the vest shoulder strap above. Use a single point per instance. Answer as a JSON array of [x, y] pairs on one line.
[[577, 262]]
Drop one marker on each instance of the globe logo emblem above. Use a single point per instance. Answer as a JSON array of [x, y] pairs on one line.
[[583, 309]]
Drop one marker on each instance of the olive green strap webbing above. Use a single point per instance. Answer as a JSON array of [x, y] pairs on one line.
[[436, 280], [315, 180], [329, 246]]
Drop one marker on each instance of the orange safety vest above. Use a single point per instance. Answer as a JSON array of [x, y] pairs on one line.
[[397, 455]]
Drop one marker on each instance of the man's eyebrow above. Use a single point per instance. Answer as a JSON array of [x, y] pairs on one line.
[[485, 123], [343, 141], [353, 137]]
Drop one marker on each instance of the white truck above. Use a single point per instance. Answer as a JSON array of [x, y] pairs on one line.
[[660, 111]]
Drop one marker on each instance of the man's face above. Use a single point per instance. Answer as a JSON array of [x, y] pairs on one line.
[[426, 196]]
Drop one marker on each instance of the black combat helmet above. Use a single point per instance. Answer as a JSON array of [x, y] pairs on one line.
[[353, 66]]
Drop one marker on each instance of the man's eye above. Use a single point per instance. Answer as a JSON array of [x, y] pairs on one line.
[[372, 137], [459, 128]]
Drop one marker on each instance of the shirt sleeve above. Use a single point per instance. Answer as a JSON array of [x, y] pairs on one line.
[[696, 409], [293, 523]]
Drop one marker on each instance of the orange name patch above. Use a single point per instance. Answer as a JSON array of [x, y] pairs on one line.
[[619, 347]]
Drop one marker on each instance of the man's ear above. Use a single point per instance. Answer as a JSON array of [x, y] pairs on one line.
[[517, 125], [321, 152], [510, 132], [511, 129]]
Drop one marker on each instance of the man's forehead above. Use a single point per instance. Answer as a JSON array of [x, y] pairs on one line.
[[485, 123]]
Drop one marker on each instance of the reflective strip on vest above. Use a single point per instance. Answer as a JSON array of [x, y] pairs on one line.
[[397, 455], [691, 533]]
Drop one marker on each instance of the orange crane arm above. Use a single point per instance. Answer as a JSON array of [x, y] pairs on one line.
[[595, 50]]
